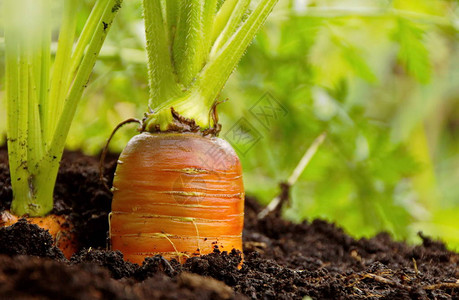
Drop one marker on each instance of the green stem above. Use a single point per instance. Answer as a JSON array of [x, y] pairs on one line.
[[205, 75], [162, 80], [34, 159], [81, 79], [34, 141], [192, 38], [172, 8], [231, 25], [86, 34], [22, 106], [50, 163], [25, 154], [60, 76], [17, 87], [220, 66], [33, 195], [222, 17], [208, 17], [44, 70], [12, 91]]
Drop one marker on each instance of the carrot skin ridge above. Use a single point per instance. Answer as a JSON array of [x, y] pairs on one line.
[[173, 196]]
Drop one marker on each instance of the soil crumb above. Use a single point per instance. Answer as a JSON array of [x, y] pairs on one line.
[[281, 260], [25, 238]]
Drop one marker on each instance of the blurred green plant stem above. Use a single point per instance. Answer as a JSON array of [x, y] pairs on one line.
[[41, 100]]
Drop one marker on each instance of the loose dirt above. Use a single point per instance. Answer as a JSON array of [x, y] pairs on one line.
[[282, 260]]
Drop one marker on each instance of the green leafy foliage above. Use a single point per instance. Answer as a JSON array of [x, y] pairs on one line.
[[413, 53]]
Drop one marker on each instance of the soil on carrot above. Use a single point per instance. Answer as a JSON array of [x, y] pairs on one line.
[[282, 260]]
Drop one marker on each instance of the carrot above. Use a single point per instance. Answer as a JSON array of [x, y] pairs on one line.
[[58, 227], [172, 196], [178, 189]]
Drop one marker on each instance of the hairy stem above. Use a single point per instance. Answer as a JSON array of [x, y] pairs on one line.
[[162, 80], [192, 38], [222, 17], [220, 66], [202, 71], [230, 27]]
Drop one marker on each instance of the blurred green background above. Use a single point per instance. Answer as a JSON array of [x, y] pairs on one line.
[[380, 77]]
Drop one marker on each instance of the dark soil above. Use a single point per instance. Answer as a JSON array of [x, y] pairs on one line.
[[281, 260]]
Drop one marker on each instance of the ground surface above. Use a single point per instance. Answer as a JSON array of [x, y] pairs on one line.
[[282, 260]]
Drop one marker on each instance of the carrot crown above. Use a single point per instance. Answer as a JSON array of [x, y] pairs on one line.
[[193, 46], [42, 99]]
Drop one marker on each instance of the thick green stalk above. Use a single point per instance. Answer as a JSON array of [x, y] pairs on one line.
[[29, 145], [172, 9], [220, 66], [205, 75], [17, 72], [162, 80], [208, 17], [191, 41]]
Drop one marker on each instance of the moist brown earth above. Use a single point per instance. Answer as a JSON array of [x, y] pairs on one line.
[[282, 260]]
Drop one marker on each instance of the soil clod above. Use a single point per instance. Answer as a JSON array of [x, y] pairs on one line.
[[281, 260]]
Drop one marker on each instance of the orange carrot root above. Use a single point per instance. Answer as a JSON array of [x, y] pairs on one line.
[[178, 195], [58, 227]]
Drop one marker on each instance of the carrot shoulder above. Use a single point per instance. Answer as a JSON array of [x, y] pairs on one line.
[[178, 195]]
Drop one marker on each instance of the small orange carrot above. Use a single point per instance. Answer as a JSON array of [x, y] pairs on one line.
[[178, 195], [58, 227], [177, 191]]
